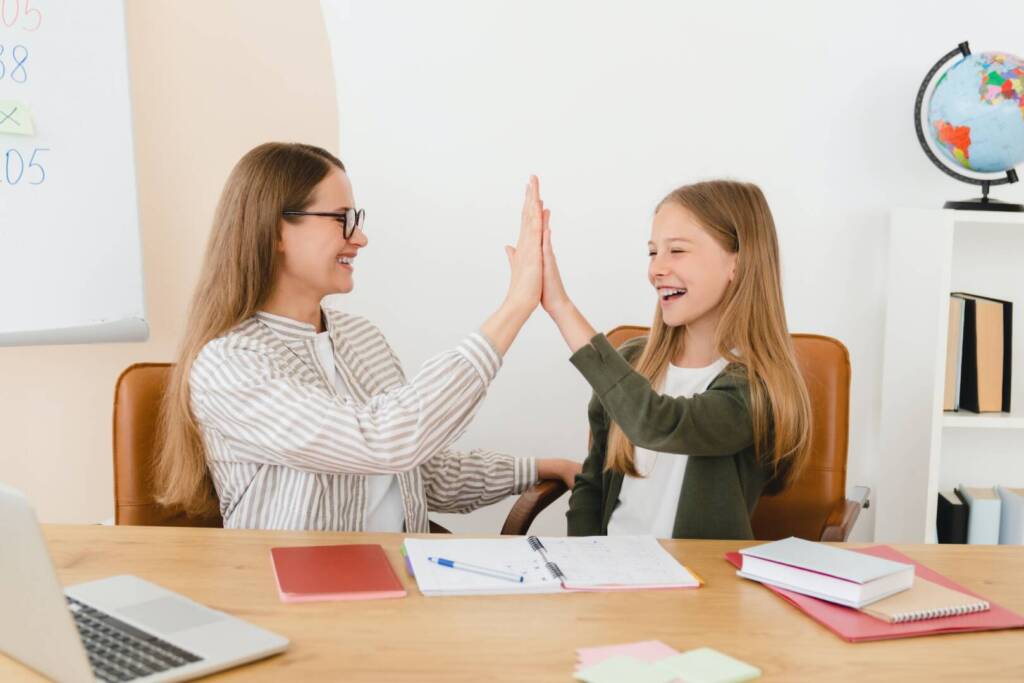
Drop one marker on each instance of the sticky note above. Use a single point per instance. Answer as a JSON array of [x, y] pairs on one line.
[[647, 650], [622, 668], [15, 118], [705, 665]]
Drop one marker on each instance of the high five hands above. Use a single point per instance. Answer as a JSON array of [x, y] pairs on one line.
[[535, 274]]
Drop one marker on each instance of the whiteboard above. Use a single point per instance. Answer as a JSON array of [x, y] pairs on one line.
[[70, 252]]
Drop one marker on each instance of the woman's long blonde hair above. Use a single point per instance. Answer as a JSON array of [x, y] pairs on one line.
[[236, 277], [752, 331]]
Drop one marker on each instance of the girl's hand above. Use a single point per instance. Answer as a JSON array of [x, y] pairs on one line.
[[553, 298], [524, 290], [557, 468]]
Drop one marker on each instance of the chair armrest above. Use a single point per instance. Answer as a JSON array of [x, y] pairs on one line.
[[530, 504], [844, 516]]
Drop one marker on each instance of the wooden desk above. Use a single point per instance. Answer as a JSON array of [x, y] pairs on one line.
[[533, 638]]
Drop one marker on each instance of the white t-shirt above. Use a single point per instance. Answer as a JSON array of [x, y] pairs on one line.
[[383, 499], [648, 505]]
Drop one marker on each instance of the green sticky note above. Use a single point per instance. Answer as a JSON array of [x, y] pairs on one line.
[[705, 665], [15, 118], [623, 668]]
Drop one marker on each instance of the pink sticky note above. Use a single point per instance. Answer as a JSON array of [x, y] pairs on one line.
[[647, 650]]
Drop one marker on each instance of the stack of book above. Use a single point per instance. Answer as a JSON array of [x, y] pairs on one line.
[[978, 354], [882, 588], [980, 515]]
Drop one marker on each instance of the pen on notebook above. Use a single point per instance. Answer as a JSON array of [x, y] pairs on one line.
[[477, 569]]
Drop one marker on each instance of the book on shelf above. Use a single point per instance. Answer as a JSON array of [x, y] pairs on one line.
[[981, 334], [954, 354], [951, 518], [983, 515], [1011, 517]]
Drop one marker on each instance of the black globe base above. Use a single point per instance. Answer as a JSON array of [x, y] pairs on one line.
[[983, 204]]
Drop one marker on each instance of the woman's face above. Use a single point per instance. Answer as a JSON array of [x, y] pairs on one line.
[[314, 257], [689, 268]]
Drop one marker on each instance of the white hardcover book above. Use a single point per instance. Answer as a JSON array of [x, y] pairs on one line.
[[1011, 517], [983, 515], [826, 572]]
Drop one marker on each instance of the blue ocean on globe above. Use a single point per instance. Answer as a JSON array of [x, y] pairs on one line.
[[976, 112]]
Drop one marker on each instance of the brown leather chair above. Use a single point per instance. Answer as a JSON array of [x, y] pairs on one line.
[[137, 398]]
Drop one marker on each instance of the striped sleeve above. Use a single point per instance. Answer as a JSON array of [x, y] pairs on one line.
[[248, 397], [462, 482]]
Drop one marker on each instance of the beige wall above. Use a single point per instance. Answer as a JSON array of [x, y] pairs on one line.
[[209, 81]]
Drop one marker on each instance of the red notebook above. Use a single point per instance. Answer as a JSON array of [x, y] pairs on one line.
[[855, 626], [334, 572]]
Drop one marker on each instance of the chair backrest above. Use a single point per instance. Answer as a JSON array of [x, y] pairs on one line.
[[805, 508], [137, 397]]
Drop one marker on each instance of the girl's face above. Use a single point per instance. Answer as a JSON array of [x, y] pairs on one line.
[[689, 268], [314, 257]]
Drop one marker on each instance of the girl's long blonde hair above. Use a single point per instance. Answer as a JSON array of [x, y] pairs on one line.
[[236, 277], [752, 331]]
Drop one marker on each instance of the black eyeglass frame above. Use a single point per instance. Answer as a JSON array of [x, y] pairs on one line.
[[348, 225]]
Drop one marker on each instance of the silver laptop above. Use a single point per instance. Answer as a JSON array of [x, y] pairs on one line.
[[116, 629]]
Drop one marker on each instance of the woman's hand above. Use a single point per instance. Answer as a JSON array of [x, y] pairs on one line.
[[525, 258], [524, 289], [558, 468]]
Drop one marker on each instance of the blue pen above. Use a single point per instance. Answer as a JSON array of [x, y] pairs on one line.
[[477, 569]]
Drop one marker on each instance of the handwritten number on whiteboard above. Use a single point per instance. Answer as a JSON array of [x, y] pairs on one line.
[[32, 163], [30, 14], [38, 17], [18, 73], [4, 7], [8, 165]]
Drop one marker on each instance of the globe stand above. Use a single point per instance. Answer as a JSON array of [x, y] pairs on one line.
[[983, 203]]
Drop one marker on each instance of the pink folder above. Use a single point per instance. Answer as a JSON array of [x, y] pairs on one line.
[[855, 626], [334, 572]]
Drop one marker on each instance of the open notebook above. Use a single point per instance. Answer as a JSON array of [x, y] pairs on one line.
[[548, 565]]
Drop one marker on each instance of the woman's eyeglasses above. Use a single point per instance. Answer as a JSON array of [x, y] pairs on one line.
[[349, 219]]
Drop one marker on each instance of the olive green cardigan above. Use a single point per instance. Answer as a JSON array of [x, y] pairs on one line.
[[723, 479]]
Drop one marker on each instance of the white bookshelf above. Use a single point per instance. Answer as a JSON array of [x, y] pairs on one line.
[[922, 449]]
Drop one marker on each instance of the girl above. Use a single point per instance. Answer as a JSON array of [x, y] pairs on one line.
[[690, 425], [293, 416]]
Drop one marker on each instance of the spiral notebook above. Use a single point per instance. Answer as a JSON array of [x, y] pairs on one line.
[[547, 565], [925, 600]]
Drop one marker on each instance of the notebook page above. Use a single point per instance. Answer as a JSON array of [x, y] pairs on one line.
[[506, 554], [616, 562]]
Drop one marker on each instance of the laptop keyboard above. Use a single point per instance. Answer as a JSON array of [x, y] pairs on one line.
[[120, 652]]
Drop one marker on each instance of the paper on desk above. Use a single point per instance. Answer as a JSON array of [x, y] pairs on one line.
[[622, 668], [647, 650], [706, 665]]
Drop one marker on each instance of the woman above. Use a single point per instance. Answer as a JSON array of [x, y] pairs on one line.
[[294, 416]]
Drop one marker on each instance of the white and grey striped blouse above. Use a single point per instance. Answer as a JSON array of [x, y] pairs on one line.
[[287, 451]]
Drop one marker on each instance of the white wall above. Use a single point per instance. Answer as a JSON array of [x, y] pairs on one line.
[[446, 107]]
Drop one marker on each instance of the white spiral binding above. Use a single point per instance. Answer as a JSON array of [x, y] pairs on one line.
[[942, 612]]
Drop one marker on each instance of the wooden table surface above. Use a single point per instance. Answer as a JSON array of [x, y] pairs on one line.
[[533, 638]]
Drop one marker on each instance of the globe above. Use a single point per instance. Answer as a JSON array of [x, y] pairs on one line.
[[973, 121], [976, 112]]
